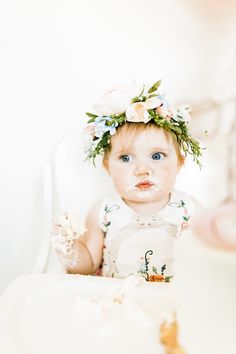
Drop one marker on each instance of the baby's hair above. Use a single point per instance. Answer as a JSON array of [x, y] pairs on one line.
[[131, 129]]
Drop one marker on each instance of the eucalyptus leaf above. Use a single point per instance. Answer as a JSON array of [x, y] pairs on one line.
[[136, 99], [91, 115], [153, 95], [154, 87], [142, 91], [91, 120]]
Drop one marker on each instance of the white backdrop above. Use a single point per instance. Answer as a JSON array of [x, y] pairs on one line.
[[57, 57]]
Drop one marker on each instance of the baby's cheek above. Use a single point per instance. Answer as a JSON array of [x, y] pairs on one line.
[[165, 178], [162, 174]]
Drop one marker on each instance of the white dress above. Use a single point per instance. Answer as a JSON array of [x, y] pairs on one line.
[[142, 244]]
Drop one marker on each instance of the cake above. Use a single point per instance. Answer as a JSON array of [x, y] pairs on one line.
[[60, 314], [205, 283]]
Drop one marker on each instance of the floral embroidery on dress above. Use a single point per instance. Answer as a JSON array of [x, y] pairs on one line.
[[126, 230], [108, 209], [186, 216], [155, 276], [112, 246]]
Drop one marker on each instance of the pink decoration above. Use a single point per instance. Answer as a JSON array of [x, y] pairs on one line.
[[217, 226]]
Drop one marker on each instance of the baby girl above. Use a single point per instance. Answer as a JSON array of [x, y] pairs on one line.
[[143, 147]]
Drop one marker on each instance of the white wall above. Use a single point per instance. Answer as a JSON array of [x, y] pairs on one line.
[[56, 58]]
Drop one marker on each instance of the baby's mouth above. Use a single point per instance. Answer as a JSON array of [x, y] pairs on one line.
[[144, 185]]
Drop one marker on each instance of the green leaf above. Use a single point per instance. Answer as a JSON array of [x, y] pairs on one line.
[[141, 93], [91, 115], [151, 112], [91, 120], [135, 99], [167, 279], [154, 87], [154, 269]]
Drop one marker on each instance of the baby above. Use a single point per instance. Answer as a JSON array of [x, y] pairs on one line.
[[133, 232]]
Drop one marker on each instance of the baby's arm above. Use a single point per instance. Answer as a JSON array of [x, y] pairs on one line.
[[79, 253]]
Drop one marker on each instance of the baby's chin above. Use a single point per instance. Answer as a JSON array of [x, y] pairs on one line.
[[143, 196]]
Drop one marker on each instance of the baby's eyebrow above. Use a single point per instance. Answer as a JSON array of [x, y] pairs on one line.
[[152, 149], [122, 151], [160, 148]]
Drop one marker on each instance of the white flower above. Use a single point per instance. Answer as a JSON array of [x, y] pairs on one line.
[[116, 100], [138, 111], [88, 143]]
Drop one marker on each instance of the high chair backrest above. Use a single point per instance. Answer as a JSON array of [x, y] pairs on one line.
[[73, 185], [77, 183]]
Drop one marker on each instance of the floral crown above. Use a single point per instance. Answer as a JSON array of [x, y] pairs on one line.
[[118, 107]]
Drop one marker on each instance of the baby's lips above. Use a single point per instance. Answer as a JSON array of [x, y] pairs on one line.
[[144, 185]]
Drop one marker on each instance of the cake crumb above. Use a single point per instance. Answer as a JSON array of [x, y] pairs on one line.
[[169, 338]]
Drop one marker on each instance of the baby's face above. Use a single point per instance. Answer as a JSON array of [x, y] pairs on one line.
[[145, 170]]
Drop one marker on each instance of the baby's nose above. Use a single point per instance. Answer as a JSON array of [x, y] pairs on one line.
[[142, 170]]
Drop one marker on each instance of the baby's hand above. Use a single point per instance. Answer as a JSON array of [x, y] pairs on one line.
[[65, 231], [65, 225]]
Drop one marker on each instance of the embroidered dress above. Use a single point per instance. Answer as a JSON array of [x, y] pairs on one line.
[[142, 245]]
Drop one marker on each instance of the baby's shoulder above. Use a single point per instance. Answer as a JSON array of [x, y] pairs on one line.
[[110, 200], [94, 212], [110, 205], [106, 205], [112, 213], [185, 200]]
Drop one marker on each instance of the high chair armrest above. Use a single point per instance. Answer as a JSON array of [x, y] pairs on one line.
[[44, 250]]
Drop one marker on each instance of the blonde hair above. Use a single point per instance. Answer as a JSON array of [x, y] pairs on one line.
[[132, 129]]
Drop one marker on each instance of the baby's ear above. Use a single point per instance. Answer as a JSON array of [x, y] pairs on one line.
[[181, 161], [106, 164]]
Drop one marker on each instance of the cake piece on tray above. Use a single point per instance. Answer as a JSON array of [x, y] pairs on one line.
[[169, 338]]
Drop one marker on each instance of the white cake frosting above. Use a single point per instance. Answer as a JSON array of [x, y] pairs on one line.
[[60, 314], [205, 282]]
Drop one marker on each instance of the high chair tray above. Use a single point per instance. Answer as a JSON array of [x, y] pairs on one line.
[[62, 313]]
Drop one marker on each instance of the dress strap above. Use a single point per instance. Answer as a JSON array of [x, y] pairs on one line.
[[108, 206]]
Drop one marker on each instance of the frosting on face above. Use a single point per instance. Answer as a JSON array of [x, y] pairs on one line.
[[145, 170]]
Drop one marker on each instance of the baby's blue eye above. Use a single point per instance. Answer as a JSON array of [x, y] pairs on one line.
[[158, 156], [125, 158]]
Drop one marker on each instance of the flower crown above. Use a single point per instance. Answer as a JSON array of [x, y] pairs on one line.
[[144, 107]]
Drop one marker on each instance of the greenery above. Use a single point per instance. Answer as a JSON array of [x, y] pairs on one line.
[[173, 123]]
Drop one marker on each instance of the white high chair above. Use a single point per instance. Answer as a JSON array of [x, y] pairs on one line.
[[71, 185], [36, 308]]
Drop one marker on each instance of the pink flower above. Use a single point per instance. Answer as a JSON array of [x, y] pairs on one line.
[[117, 99], [90, 130], [164, 112], [217, 226], [138, 111], [184, 225]]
